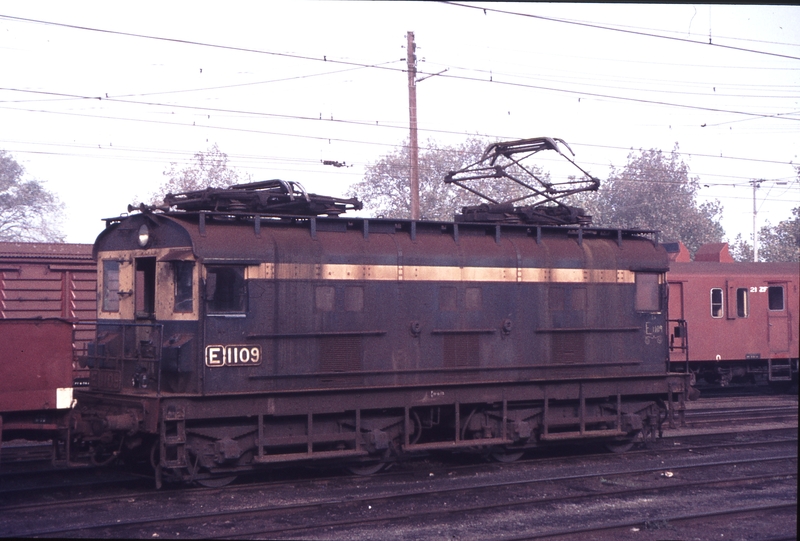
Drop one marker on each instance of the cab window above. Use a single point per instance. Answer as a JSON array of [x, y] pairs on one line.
[[110, 286], [225, 289], [648, 297], [183, 272]]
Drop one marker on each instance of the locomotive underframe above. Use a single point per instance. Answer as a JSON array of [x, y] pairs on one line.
[[196, 437]]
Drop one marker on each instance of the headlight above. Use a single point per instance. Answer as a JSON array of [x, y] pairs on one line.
[[144, 235]]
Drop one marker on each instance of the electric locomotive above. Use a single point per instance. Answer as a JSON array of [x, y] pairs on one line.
[[255, 326]]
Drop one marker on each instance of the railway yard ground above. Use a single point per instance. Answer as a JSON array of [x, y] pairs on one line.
[[730, 473]]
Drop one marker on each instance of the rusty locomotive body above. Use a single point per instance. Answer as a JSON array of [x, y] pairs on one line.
[[231, 338], [741, 318]]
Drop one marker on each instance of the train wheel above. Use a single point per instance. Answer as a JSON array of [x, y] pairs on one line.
[[506, 455], [216, 482], [365, 468], [622, 445], [369, 465]]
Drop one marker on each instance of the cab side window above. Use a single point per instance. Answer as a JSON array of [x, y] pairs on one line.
[[183, 272], [110, 286], [225, 289], [648, 292]]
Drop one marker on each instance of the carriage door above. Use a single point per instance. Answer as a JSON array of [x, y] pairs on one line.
[[778, 318], [678, 339]]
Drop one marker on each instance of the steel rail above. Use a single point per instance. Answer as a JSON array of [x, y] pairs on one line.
[[438, 513], [671, 519], [386, 476], [205, 516]]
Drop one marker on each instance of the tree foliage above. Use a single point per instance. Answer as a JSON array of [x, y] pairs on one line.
[[775, 243], [208, 169], [386, 187], [655, 191], [740, 249], [28, 211], [778, 243]]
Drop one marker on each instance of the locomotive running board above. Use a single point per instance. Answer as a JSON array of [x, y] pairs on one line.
[[588, 434]]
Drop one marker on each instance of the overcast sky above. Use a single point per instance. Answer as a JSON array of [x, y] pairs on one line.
[[97, 98]]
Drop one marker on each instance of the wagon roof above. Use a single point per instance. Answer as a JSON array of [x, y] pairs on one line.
[[766, 270], [43, 250]]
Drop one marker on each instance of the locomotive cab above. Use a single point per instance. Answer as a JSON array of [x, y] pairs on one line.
[[148, 310]]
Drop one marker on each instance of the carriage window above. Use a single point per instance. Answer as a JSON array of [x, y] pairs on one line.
[[775, 297], [110, 286], [182, 273], [742, 306], [648, 298], [716, 302], [225, 289]]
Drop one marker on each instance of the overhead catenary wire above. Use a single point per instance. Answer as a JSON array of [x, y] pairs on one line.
[[622, 30], [792, 183], [324, 58], [174, 77], [357, 66], [371, 124]]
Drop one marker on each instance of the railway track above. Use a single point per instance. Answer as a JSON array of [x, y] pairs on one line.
[[97, 486], [349, 507], [739, 412]]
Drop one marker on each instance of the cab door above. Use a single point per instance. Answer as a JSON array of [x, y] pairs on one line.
[[144, 288], [144, 293], [678, 339]]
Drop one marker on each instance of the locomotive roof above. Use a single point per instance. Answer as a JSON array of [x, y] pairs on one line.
[[238, 237], [337, 223], [227, 223]]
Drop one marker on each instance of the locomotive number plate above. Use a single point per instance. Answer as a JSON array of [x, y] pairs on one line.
[[233, 355]]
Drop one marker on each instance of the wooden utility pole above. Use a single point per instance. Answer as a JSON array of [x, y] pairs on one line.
[[756, 184], [412, 113]]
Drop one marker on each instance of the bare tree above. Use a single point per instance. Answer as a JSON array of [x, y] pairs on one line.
[[385, 189], [208, 169], [28, 211]]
